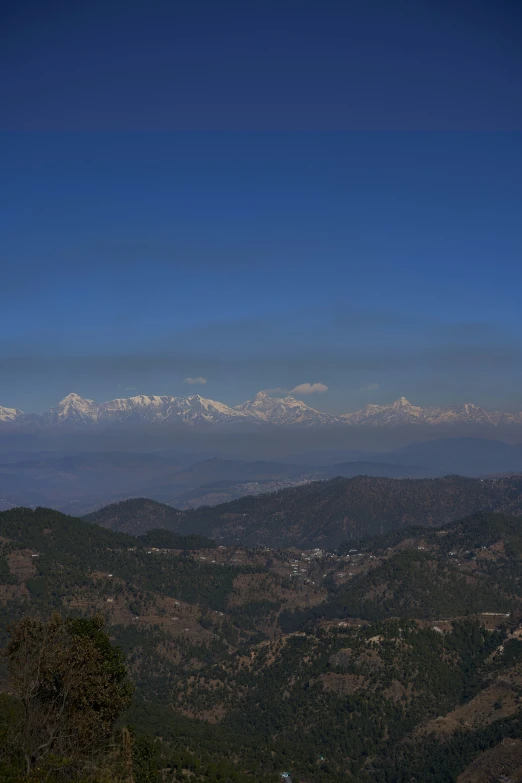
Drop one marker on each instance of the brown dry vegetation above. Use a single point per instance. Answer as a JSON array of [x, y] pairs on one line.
[[21, 564], [503, 760], [498, 700]]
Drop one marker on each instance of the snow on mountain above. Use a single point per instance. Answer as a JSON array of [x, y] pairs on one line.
[[472, 413], [139, 408], [461, 414], [192, 410], [283, 411], [10, 414], [499, 417], [196, 411], [399, 412], [402, 412], [73, 409]]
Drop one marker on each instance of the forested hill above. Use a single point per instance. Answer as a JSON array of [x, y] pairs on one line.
[[397, 663], [136, 516], [324, 513]]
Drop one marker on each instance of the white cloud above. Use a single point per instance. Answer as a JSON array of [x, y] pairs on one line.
[[309, 388], [192, 381]]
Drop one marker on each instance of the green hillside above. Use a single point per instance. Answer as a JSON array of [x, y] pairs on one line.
[[401, 661], [136, 516], [326, 512]]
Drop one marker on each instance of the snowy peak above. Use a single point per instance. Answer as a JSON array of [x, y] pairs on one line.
[[402, 412], [10, 414], [283, 411], [72, 399], [399, 412], [73, 409], [263, 410], [74, 402], [138, 408], [193, 410], [402, 402], [199, 410]]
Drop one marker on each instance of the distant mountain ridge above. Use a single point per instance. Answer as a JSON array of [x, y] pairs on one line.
[[323, 513], [404, 412], [196, 411], [79, 482]]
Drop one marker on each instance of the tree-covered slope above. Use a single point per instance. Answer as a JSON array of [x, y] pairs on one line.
[[136, 516], [397, 662], [471, 566], [324, 513]]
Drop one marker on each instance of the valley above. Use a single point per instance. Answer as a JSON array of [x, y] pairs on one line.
[[91, 474], [260, 410], [392, 658]]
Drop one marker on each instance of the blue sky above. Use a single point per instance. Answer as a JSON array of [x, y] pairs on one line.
[[375, 250]]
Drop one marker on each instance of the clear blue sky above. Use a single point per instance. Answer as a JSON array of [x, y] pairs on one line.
[[294, 193]]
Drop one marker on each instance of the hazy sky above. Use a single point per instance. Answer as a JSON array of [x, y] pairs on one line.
[[261, 196]]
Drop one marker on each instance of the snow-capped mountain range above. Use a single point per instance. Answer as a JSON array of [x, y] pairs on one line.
[[196, 411], [403, 412]]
